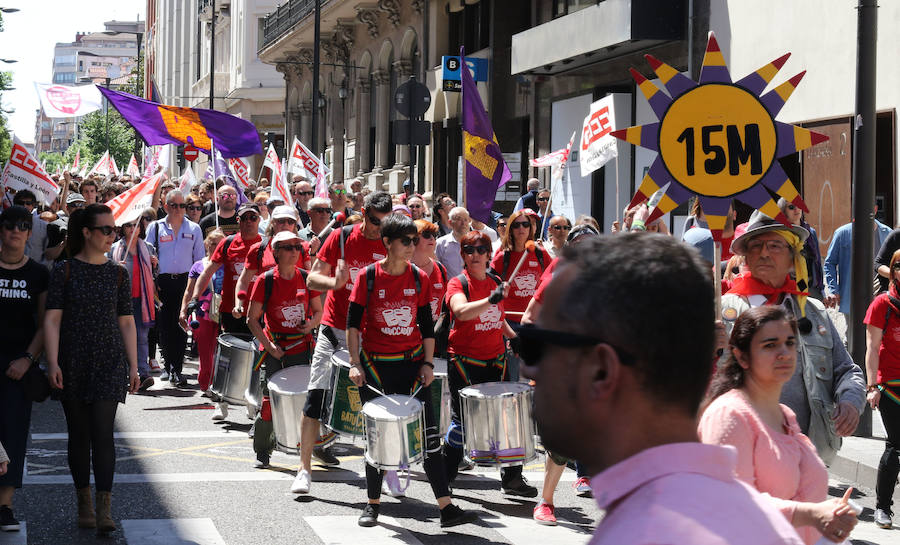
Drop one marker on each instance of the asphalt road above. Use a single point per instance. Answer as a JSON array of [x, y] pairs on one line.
[[182, 478]]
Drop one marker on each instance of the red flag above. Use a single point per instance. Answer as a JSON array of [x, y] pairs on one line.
[[128, 206]]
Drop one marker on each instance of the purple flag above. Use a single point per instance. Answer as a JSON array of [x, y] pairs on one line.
[[160, 124], [220, 168], [486, 171]]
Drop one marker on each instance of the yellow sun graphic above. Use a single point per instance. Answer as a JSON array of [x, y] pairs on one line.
[[718, 139]]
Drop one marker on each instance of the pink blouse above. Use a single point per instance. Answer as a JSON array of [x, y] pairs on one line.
[[781, 463]]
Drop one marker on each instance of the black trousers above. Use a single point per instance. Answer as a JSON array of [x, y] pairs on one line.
[[15, 421], [889, 466], [399, 378], [90, 426], [172, 339]]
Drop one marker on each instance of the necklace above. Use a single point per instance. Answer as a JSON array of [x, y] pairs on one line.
[[13, 262]]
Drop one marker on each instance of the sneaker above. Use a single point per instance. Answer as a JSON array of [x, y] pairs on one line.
[[221, 412], [465, 465], [391, 485], [543, 514], [882, 519], [262, 461], [520, 487], [301, 482], [325, 457], [164, 375], [154, 365], [583, 487], [452, 515], [179, 380], [146, 383], [8, 522], [369, 515]]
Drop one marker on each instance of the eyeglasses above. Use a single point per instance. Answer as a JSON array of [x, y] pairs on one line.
[[373, 220], [176, 205], [25, 203], [561, 227], [128, 225], [339, 191], [407, 241], [105, 229], [470, 250], [290, 247], [534, 340], [773, 246], [523, 224], [414, 205], [501, 224], [250, 217], [896, 267], [321, 210], [305, 193], [22, 225], [791, 207], [77, 204], [543, 199], [427, 234], [228, 197], [283, 221]]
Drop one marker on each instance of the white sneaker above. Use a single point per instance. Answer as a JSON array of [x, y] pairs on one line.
[[883, 519], [221, 412], [154, 365], [301, 482], [391, 485]]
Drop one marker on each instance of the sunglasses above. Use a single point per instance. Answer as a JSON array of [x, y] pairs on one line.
[[534, 340], [339, 191], [128, 225], [321, 210], [78, 204], [177, 205], [194, 207], [305, 193], [427, 234], [896, 266], [408, 241], [523, 224], [470, 250], [228, 197], [21, 225], [501, 224], [283, 221], [105, 229], [25, 203], [250, 217], [374, 221], [290, 247], [543, 199], [414, 205], [561, 227]]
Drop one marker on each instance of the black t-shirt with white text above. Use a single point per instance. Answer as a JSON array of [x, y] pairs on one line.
[[19, 292]]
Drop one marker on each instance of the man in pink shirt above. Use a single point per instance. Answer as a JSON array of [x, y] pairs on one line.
[[621, 357]]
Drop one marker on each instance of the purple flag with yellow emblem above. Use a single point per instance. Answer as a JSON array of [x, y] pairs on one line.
[[486, 171], [161, 124]]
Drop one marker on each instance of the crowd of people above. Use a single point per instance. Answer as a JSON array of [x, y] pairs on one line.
[[692, 427]]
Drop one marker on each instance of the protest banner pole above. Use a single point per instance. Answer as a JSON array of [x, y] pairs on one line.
[[717, 275], [549, 204], [212, 147], [616, 176]]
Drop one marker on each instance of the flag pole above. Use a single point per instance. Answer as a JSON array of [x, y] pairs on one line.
[[616, 169], [717, 275], [212, 155], [549, 204]]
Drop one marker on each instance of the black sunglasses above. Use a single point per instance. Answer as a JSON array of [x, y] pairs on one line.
[[321, 210], [407, 240], [560, 227], [543, 199], [291, 247], [21, 225], [305, 193], [426, 234], [469, 250], [105, 229], [501, 224], [895, 267], [533, 341], [249, 217], [194, 207], [181, 205], [374, 221], [77, 204], [524, 224]]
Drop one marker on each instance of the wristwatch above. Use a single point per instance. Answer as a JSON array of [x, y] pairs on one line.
[[428, 363], [28, 356]]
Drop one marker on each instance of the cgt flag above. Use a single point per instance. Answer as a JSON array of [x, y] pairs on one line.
[[486, 171], [23, 172], [187, 182], [241, 170], [128, 206], [278, 179], [133, 169], [220, 168], [161, 124], [103, 166], [65, 101]]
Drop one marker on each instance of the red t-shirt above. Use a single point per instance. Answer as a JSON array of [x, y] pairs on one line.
[[525, 282], [889, 351], [288, 306], [438, 289], [234, 264], [359, 252], [389, 323], [544, 280], [268, 261], [481, 337]]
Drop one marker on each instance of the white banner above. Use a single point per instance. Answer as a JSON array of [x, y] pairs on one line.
[[304, 162], [188, 181], [241, 170], [23, 172], [65, 101], [598, 145], [133, 169], [279, 187], [113, 167], [103, 165], [128, 206]]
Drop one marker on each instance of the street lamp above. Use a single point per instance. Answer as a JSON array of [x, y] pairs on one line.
[[9, 61], [9, 10]]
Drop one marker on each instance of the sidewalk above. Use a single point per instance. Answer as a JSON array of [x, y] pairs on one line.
[[857, 461]]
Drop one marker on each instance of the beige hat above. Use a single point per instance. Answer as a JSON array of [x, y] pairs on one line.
[[284, 236], [285, 211]]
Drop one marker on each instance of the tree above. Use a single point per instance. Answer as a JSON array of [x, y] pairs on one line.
[[5, 85], [92, 138], [52, 160]]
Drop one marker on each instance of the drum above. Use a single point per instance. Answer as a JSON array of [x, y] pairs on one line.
[[498, 428], [287, 394], [440, 395], [253, 395], [395, 431], [343, 404], [235, 357]]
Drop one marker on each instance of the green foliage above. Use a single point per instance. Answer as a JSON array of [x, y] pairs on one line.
[[5, 138], [92, 138], [52, 160]]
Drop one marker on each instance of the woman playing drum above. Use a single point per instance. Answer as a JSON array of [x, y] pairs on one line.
[[477, 349], [391, 304], [291, 312]]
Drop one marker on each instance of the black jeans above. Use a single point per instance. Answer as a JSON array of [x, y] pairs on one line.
[[15, 420], [399, 378], [889, 466], [90, 426], [172, 339]]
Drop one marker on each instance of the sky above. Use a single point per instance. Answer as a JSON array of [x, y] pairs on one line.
[[29, 36]]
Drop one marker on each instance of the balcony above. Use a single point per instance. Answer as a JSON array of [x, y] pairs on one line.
[[285, 16]]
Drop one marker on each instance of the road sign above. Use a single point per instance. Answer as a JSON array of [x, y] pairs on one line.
[[421, 132], [412, 98], [191, 153], [452, 76]]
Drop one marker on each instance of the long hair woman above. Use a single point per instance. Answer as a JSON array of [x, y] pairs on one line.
[[773, 455], [91, 354]]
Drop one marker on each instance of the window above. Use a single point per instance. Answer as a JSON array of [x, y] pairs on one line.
[[260, 32], [565, 7], [471, 27], [64, 77], [64, 60]]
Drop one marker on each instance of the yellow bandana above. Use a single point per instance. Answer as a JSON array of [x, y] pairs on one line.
[[800, 272]]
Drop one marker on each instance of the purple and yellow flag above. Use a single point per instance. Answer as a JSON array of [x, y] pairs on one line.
[[161, 124], [486, 171]]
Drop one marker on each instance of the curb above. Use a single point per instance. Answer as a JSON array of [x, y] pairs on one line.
[[857, 463]]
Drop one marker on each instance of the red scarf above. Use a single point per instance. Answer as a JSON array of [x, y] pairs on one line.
[[746, 285]]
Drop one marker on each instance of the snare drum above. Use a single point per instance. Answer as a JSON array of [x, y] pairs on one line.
[[395, 431], [497, 424], [287, 394], [235, 357], [343, 404], [440, 395]]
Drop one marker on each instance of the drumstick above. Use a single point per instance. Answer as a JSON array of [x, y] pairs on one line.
[[529, 247], [414, 393], [379, 392], [339, 217]]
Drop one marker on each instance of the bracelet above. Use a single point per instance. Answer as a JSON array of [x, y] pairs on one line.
[[28, 356], [872, 388], [429, 364], [638, 225]]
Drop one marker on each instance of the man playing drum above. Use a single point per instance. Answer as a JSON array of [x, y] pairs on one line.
[[291, 312], [391, 304]]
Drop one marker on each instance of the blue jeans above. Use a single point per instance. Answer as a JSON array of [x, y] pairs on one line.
[[143, 350]]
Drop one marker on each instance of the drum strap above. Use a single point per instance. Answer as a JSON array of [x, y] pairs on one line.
[[280, 339], [461, 362], [368, 359]]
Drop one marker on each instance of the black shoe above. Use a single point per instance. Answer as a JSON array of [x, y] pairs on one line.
[[8, 522], [325, 457], [262, 461], [179, 380], [520, 487], [146, 383], [369, 515], [452, 515]]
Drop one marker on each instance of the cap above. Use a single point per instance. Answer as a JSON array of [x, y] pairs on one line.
[[274, 199], [285, 211], [284, 236], [402, 209], [702, 240], [247, 207], [74, 197]]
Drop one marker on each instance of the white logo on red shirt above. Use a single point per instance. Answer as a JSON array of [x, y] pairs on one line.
[[526, 281], [399, 321], [489, 319], [378, 257], [409, 291], [293, 315]]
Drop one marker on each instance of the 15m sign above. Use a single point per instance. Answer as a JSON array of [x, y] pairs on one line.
[[717, 140]]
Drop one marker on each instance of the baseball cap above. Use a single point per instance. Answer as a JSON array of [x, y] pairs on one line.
[[274, 199], [74, 197], [285, 211], [284, 236], [247, 207]]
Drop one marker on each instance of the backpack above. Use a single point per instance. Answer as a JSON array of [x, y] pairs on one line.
[[370, 278], [892, 302]]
